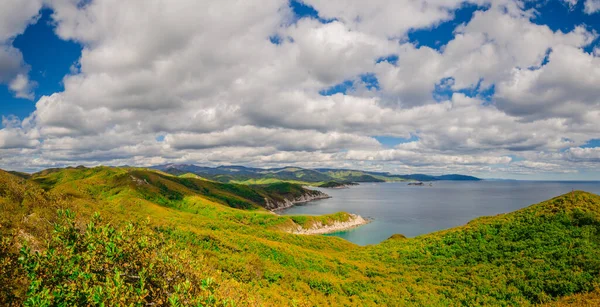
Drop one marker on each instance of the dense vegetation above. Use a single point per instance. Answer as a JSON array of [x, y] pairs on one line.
[[332, 184], [165, 240], [314, 177], [165, 189]]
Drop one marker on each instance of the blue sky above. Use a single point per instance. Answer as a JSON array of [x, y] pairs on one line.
[[49, 58], [363, 77]]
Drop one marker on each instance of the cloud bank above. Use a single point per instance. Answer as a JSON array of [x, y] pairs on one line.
[[251, 82]]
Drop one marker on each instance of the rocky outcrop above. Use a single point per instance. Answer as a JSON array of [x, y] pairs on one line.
[[319, 228], [138, 181], [289, 202]]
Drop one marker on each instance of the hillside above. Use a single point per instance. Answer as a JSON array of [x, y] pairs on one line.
[[314, 177], [452, 177], [337, 184], [168, 190], [177, 241]]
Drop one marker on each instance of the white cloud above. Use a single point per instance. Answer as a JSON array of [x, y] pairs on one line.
[[482, 53], [12, 136], [331, 52], [205, 77], [413, 158], [578, 154], [388, 18], [11, 63], [591, 6], [571, 3], [15, 15], [22, 87], [412, 81], [281, 139], [488, 50], [565, 87]]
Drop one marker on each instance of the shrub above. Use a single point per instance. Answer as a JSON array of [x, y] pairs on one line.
[[104, 266]]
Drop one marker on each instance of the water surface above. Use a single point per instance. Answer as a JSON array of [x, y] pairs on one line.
[[415, 210]]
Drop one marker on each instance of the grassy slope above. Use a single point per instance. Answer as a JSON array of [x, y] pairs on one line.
[[239, 246], [534, 255], [161, 188], [332, 184], [291, 175], [591, 299], [263, 181], [529, 256]]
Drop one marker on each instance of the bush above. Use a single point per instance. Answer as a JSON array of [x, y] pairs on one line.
[[104, 266]]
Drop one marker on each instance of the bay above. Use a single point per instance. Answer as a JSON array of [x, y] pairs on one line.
[[416, 210]]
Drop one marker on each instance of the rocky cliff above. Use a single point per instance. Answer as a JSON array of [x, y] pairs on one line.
[[289, 201]]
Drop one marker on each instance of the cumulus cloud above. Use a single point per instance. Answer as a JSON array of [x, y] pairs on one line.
[[203, 82], [388, 18], [282, 139], [578, 154], [15, 15], [565, 87], [571, 3], [22, 87], [482, 54], [591, 6], [488, 50], [417, 158], [12, 136]]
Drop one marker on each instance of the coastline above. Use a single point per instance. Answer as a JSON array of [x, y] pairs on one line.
[[319, 228], [290, 203]]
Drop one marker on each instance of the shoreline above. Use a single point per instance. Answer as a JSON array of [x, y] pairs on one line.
[[290, 203], [318, 228], [337, 226]]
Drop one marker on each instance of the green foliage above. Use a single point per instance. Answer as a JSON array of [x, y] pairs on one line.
[[104, 266], [314, 177], [357, 176], [171, 242], [11, 273], [334, 184], [285, 190], [534, 255]]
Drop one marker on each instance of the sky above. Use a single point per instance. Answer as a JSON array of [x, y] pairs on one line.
[[496, 89]]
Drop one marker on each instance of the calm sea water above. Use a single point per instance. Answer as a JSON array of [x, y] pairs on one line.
[[414, 210]]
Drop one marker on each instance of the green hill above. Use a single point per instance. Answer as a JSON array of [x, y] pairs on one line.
[[314, 177], [176, 241]]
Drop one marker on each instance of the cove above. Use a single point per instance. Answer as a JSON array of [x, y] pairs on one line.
[[416, 210]]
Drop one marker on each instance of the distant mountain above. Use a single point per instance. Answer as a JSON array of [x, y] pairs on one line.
[[249, 175], [456, 177]]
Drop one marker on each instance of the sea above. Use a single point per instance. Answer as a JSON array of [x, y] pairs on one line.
[[399, 208]]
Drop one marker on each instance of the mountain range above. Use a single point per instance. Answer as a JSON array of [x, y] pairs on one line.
[[317, 176]]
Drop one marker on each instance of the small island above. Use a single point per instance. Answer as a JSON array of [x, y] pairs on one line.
[[419, 183]]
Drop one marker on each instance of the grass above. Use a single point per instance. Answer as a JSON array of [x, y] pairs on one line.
[[294, 175], [165, 239], [307, 221], [266, 181]]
